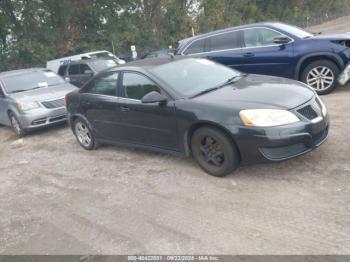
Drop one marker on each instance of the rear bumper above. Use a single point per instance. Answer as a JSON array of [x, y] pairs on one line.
[[344, 76], [280, 143], [42, 118]]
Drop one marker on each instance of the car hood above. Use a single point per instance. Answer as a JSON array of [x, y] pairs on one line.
[[43, 94], [254, 91], [335, 37]]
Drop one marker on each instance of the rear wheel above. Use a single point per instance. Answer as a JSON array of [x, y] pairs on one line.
[[321, 75], [214, 151], [84, 134], [16, 125]]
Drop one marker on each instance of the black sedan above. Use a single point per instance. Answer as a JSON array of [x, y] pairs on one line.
[[192, 106]]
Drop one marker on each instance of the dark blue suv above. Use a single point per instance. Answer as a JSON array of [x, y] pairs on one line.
[[321, 61]]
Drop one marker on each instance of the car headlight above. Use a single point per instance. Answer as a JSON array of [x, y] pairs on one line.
[[267, 117], [28, 105]]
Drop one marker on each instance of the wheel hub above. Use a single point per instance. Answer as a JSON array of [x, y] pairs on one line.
[[320, 78], [211, 151]]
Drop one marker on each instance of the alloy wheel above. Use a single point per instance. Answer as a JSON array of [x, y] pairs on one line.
[[15, 124], [320, 78], [83, 134]]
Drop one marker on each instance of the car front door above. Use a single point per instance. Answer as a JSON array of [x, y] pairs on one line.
[[148, 124], [100, 104], [262, 56]]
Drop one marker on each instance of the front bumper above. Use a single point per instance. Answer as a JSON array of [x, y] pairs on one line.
[[344, 76], [42, 117], [262, 145]]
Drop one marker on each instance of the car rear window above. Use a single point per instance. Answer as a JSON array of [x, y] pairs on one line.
[[196, 47]]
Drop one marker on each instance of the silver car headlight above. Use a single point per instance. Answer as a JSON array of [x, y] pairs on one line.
[[267, 117], [27, 105]]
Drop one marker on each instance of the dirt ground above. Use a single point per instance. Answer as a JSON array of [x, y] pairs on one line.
[[57, 198], [339, 25]]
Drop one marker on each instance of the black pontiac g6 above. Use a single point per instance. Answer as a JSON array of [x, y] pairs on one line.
[[190, 106]]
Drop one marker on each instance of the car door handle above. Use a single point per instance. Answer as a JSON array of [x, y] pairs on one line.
[[124, 109], [249, 54]]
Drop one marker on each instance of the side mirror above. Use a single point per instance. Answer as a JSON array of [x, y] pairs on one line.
[[153, 97], [88, 72], [281, 40]]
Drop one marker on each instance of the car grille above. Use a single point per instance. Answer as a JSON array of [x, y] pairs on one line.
[[54, 103], [311, 111]]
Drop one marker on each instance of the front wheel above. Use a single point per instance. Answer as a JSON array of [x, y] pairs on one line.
[[321, 75], [16, 125], [84, 134], [214, 151]]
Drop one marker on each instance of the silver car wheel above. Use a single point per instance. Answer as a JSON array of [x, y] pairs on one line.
[[320, 78], [15, 124], [83, 134]]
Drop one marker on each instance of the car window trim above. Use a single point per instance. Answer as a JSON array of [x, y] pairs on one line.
[[120, 87], [238, 48]]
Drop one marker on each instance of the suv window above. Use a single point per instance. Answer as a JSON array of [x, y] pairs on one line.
[[1, 92], [74, 69], [135, 86], [104, 85], [84, 67], [62, 70], [224, 41], [259, 37], [196, 47]]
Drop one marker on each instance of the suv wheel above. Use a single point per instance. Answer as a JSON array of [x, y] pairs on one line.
[[84, 134], [16, 125], [214, 151], [321, 75]]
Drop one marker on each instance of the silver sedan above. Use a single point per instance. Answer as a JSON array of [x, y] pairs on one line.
[[32, 98]]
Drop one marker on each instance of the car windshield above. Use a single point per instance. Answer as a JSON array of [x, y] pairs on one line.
[[104, 55], [100, 65], [189, 77], [293, 30], [31, 80]]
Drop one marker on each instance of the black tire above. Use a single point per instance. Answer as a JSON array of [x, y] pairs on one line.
[[227, 157], [317, 66], [84, 134], [16, 125]]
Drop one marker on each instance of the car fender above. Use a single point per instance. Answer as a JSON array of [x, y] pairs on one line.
[[72, 117], [336, 58]]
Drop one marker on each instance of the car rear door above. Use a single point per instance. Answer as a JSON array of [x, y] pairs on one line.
[[149, 124], [262, 56], [226, 48], [100, 105]]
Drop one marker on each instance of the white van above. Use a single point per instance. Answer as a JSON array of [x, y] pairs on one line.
[[53, 65]]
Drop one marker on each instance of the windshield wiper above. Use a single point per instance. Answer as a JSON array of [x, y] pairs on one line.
[[227, 82], [205, 91], [24, 90]]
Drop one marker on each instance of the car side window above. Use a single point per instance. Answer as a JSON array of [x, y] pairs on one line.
[[136, 86], [230, 40], [74, 69], [256, 37], [84, 67], [104, 85], [196, 47], [1, 92], [62, 70]]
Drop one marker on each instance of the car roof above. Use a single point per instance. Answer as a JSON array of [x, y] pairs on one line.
[[21, 71], [268, 24], [149, 63]]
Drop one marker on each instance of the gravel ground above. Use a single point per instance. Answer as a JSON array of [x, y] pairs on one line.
[[339, 25], [56, 198]]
